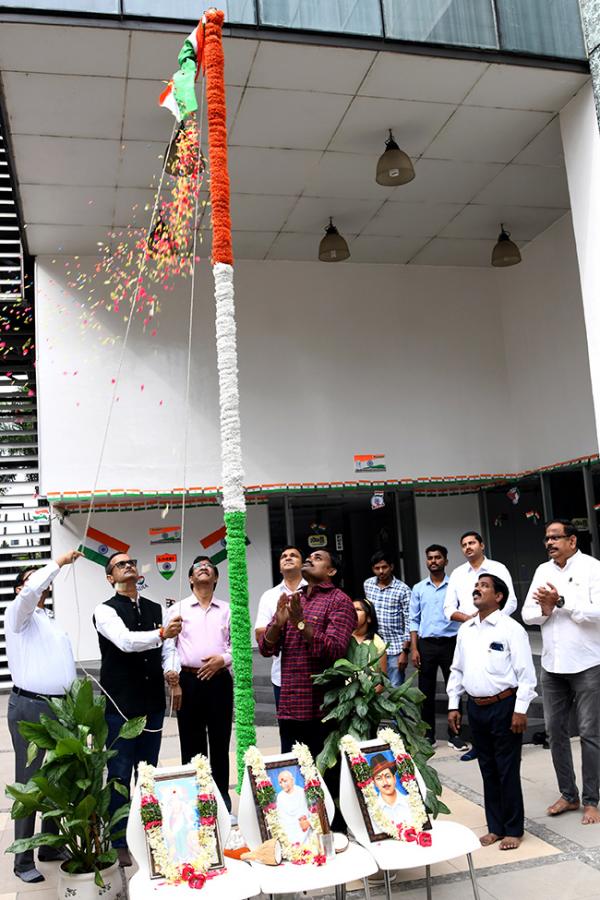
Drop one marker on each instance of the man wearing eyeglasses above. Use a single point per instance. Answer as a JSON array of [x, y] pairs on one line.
[[564, 600], [205, 710], [134, 647]]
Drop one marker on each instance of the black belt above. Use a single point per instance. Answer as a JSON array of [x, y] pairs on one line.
[[35, 695], [439, 640]]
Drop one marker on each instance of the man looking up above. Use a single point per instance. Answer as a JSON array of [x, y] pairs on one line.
[[391, 599], [493, 665], [41, 664], [433, 637], [204, 653], [290, 566], [310, 629], [564, 600], [459, 605], [133, 642]]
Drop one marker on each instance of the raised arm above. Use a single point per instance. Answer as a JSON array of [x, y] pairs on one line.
[[20, 611]]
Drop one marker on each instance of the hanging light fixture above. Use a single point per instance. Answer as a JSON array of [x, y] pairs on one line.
[[333, 247], [394, 166], [506, 252]]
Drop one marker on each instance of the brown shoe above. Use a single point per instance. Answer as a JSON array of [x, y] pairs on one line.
[[124, 857]]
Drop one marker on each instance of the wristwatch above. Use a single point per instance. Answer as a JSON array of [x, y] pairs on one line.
[[301, 625], [560, 602]]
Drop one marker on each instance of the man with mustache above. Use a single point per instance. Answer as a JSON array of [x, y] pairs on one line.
[[493, 665], [564, 600], [310, 630], [203, 654]]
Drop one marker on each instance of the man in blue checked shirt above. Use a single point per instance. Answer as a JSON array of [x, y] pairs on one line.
[[391, 599], [433, 637]]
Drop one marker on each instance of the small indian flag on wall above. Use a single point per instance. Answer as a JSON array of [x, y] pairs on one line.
[[369, 462], [99, 547], [166, 563], [216, 545]]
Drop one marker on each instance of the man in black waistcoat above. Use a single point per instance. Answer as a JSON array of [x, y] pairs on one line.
[[133, 645]]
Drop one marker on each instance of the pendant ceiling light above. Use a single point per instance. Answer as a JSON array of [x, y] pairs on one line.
[[333, 247], [394, 166], [506, 252]]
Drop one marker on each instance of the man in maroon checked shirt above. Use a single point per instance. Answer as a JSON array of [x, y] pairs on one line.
[[310, 629]]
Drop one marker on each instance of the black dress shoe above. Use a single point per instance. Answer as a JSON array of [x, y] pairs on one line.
[[53, 854]]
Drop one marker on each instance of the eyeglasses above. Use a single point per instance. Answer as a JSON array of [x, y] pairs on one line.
[[551, 538], [124, 564]]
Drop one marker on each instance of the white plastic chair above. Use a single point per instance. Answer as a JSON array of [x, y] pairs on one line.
[[355, 863], [449, 839], [237, 883]]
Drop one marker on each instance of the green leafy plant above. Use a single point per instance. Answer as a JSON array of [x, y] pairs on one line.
[[359, 698], [70, 786]]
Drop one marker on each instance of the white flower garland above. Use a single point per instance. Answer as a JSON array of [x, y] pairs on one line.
[[197, 868], [401, 832], [309, 852]]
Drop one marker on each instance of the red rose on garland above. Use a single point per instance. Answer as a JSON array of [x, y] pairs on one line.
[[424, 839]]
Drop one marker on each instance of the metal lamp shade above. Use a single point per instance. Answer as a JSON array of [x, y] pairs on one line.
[[506, 252], [333, 247], [394, 166]]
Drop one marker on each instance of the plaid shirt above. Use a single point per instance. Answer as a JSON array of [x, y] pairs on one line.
[[392, 607], [332, 615]]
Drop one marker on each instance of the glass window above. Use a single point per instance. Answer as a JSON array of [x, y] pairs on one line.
[[236, 11], [465, 22], [93, 6], [347, 16], [544, 27]]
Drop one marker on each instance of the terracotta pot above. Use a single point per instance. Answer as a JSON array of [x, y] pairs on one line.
[[83, 887]]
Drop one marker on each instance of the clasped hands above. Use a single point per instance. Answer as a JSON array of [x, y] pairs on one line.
[[289, 608], [547, 597]]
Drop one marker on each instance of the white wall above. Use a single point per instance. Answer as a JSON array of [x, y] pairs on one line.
[[547, 362], [442, 520], [581, 142], [79, 588], [334, 360]]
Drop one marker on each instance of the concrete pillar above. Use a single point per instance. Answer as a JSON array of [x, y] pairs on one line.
[[590, 17], [581, 144]]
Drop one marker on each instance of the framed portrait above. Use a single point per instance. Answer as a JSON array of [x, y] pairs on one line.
[[290, 798], [177, 794], [391, 796]]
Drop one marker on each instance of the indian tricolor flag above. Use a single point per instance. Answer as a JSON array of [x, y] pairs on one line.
[[216, 545], [179, 97], [99, 547]]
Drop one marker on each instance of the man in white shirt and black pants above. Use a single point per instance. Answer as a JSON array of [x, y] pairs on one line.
[[493, 665], [41, 664], [564, 600]]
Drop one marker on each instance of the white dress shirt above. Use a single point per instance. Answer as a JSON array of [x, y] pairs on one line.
[[267, 606], [40, 656], [481, 671], [111, 626], [571, 635], [462, 581]]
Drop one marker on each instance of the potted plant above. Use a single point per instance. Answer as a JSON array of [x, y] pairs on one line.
[[71, 788], [360, 697]]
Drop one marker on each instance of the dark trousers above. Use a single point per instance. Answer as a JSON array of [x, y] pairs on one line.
[[205, 720], [144, 748], [561, 693], [499, 757], [26, 709], [435, 653]]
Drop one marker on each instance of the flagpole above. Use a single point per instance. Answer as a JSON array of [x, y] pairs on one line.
[[234, 503]]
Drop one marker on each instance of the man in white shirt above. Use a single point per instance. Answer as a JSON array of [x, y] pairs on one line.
[[393, 802], [493, 665], [458, 605], [293, 809], [41, 663], [564, 600], [290, 566]]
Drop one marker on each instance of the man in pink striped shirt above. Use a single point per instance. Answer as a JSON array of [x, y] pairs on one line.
[[203, 659]]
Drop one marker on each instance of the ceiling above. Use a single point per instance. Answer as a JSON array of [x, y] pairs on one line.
[[306, 126]]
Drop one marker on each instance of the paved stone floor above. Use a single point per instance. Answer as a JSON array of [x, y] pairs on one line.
[[559, 859]]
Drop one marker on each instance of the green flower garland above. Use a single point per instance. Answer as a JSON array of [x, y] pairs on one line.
[[241, 645]]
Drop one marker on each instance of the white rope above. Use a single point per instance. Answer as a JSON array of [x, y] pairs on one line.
[[229, 399]]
